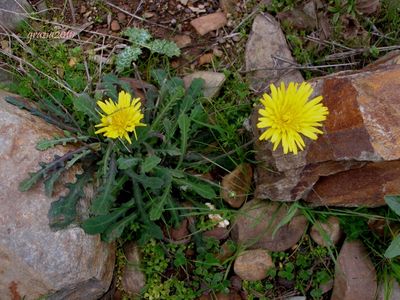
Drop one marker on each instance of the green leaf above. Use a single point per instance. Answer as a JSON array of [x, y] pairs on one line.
[[180, 258], [86, 105], [286, 219], [158, 207], [106, 196], [51, 180], [160, 76], [150, 163], [29, 182], [115, 231], [393, 201], [63, 211], [150, 231], [203, 189], [99, 224], [126, 57], [165, 47], [77, 157], [125, 163], [137, 35], [394, 248], [184, 125], [50, 143]]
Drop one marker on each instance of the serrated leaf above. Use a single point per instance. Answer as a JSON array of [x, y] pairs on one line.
[[159, 75], [184, 125], [126, 57], [286, 219], [165, 47], [99, 224], [115, 231], [29, 182], [51, 180], [137, 35], [63, 211], [394, 248], [105, 196], [125, 163], [50, 143], [153, 183], [77, 157], [158, 207], [86, 105], [393, 201], [150, 231], [150, 163]]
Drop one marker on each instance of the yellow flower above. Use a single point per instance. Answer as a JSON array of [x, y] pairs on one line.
[[287, 113], [120, 118]]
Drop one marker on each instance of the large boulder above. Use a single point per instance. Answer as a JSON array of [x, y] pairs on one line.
[[357, 159], [35, 261]]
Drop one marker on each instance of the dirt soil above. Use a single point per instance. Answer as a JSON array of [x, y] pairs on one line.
[[102, 22]]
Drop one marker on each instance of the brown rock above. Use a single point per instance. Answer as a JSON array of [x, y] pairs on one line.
[[371, 164], [230, 296], [121, 17], [83, 9], [236, 185], [115, 26], [133, 279], [36, 261], [355, 276], [367, 7], [219, 233], [257, 221], [206, 59], [210, 22], [180, 232], [326, 234], [226, 250], [253, 265], [228, 6], [266, 44], [182, 40]]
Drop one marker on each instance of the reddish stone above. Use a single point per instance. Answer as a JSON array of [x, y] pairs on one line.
[[236, 185], [355, 275], [207, 23], [361, 137]]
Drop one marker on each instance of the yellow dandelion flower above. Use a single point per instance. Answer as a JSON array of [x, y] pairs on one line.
[[287, 113], [120, 118]]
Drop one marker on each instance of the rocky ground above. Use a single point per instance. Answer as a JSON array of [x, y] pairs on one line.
[[261, 249]]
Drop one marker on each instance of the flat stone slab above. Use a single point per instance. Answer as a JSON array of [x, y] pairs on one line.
[[362, 132]]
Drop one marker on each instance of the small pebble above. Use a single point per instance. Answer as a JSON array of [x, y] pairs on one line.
[[121, 17], [115, 26], [83, 9]]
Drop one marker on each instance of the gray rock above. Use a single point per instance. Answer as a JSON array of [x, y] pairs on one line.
[[256, 222], [34, 260], [253, 264], [213, 82], [355, 275], [268, 56], [133, 279], [13, 12]]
